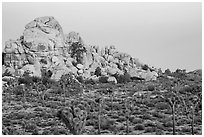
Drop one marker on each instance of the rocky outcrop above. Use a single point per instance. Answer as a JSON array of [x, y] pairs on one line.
[[44, 46]]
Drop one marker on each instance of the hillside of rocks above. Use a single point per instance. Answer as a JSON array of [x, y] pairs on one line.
[[55, 84], [44, 46]]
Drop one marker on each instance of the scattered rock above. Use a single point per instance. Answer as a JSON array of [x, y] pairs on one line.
[[7, 78], [112, 80], [80, 66], [32, 70]]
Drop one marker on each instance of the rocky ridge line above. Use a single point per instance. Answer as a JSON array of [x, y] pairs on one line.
[[44, 46]]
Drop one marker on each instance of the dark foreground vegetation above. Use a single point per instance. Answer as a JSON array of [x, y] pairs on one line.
[[39, 106]]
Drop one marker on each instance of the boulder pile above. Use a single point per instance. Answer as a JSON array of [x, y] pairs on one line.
[[44, 46]]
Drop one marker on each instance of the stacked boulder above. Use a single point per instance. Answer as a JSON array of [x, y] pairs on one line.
[[44, 46]]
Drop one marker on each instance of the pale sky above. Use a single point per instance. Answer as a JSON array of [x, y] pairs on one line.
[[163, 35]]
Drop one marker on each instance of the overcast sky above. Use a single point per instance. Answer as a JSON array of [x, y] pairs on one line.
[[164, 35]]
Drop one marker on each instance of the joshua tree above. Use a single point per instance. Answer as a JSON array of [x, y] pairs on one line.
[[172, 99], [98, 71], [99, 100], [75, 120], [127, 116], [190, 104], [111, 96]]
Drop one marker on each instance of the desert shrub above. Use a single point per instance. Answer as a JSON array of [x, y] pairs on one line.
[[168, 111], [139, 127], [43, 61], [49, 82], [196, 88], [6, 73], [30, 127], [149, 123], [186, 129], [167, 72], [150, 87], [46, 75], [162, 105], [90, 122], [18, 90], [98, 71], [36, 79], [31, 80], [159, 132], [150, 104], [181, 121], [160, 126], [80, 79], [126, 77], [198, 120], [26, 79], [103, 79], [89, 81], [123, 78], [3, 58], [179, 73], [168, 124], [145, 67], [106, 123], [146, 116], [68, 83], [117, 106], [157, 114], [137, 121], [121, 118], [150, 129], [68, 79]]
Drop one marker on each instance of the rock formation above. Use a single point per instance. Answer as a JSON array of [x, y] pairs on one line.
[[44, 46]]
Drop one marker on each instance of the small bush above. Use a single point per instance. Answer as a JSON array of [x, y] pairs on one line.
[[145, 67], [136, 112], [167, 72], [137, 121], [98, 71], [150, 87], [27, 80], [159, 132], [80, 79], [126, 77], [121, 119], [150, 104], [103, 79], [168, 124], [49, 82], [6, 73], [181, 121], [162, 105], [89, 81], [36, 79], [149, 123], [160, 126], [106, 123], [157, 114], [18, 90], [69, 79], [139, 127], [150, 129], [123, 78], [146, 116], [186, 129]]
